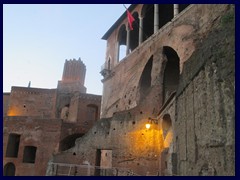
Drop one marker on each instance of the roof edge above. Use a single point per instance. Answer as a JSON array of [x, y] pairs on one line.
[[120, 19]]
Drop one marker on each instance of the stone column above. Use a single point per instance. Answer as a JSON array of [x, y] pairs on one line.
[[140, 39], [156, 18], [175, 9], [128, 41]]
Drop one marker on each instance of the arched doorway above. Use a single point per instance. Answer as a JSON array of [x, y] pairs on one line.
[[171, 72], [9, 169]]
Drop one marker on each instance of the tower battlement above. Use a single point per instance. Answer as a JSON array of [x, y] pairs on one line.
[[73, 77], [74, 70]]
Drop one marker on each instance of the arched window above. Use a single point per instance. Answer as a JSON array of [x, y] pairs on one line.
[[9, 169], [171, 72], [122, 37]]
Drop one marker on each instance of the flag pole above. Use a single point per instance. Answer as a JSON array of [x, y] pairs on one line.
[[138, 25]]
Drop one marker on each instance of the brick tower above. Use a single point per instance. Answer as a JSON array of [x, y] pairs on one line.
[[73, 77]]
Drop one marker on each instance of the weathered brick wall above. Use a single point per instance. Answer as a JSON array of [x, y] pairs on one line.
[[43, 134], [32, 102]]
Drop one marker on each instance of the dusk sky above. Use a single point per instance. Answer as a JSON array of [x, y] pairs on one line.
[[38, 38]]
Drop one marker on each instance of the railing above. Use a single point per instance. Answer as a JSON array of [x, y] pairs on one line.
[[64, 169]]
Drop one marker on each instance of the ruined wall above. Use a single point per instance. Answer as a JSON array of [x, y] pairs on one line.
[[205, 117], [43, 134], [131, 144], [84, 111], [80, 108], [6, 98], [32, 102], [121, 87]]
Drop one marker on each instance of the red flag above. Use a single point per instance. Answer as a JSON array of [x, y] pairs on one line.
[[130, 19]]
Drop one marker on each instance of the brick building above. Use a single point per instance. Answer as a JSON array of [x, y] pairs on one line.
[[41, 122], [177, 78], [168, 103]]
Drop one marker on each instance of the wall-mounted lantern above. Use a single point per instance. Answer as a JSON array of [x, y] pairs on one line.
[[150, 122]]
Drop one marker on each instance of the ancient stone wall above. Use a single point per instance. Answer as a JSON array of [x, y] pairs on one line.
[[205, 117], [32, 102]]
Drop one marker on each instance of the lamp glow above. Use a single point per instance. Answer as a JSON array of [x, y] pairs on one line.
[[148, 125]]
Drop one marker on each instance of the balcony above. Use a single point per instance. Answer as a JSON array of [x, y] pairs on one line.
[[106, 72]]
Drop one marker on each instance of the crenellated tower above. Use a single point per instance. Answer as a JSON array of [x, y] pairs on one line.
[[73, 77]]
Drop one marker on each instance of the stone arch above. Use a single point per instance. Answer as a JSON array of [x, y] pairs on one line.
[[122, 38], [171, 72], [9, 169], [145, 79], [69, 141]]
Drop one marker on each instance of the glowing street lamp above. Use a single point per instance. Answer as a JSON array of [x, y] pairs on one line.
[[148, 125], [151, 121]]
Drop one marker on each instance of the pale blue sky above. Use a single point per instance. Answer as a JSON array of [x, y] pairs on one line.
[[38, 38]]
